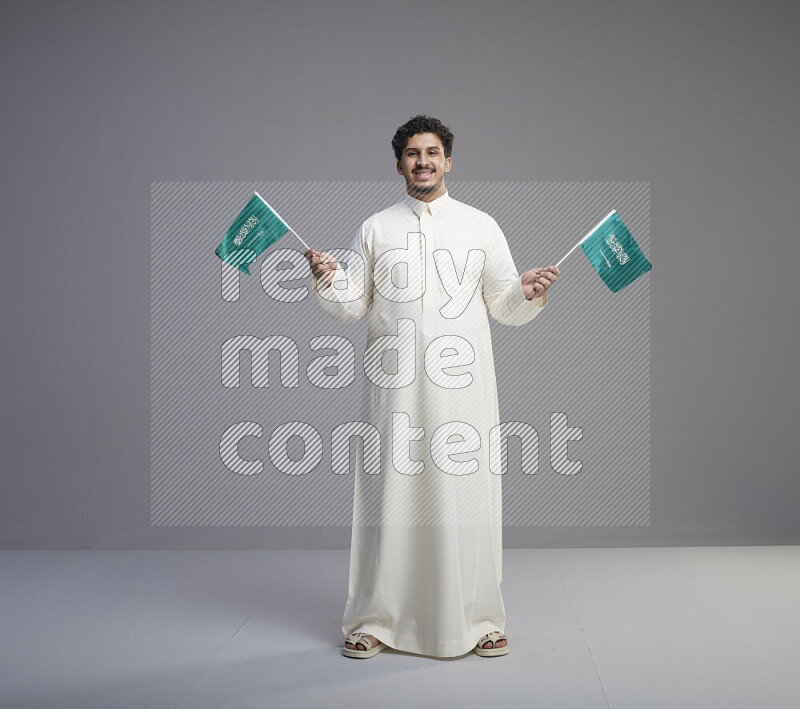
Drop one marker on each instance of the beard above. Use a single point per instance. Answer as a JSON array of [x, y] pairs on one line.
[[424, 188]]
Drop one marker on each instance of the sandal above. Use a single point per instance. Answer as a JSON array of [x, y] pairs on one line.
[[362, 638], [493, 651]]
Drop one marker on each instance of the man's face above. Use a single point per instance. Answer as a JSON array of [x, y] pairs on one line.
[[423, 165]]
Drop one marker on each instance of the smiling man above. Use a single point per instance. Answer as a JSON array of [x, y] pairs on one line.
[[423, 162], [426, 545]]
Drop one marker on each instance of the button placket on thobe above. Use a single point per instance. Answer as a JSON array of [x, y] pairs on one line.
[[428, 301]]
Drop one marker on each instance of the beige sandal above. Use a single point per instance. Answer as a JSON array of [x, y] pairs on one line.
[[362, 638], [492, 651]]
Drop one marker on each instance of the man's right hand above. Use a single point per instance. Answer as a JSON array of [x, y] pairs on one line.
[[322, 265]]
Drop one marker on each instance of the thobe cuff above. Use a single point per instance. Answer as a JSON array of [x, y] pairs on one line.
[[320, 287], [521, 310], [335, 302]]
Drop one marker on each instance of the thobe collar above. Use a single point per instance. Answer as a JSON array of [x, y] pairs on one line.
[[435, 207]]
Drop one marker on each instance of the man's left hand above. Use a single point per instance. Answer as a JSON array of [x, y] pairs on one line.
[[537, 281]]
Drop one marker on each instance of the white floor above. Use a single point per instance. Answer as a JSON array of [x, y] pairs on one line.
[[639, 628]]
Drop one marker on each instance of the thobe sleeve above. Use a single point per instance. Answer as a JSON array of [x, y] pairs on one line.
[[502, 285], [348, 295]]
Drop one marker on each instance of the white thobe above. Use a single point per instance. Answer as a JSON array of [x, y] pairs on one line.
[[426, 544]]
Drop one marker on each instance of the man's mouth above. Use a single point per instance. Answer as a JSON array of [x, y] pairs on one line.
[[424, 174]]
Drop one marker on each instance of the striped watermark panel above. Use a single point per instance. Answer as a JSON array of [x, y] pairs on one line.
[[260, 400]]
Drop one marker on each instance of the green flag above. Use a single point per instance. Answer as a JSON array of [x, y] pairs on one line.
[[257, 227], [614, 254]]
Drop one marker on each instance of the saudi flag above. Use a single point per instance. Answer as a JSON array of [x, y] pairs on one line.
[[614, 254], [257, 227]]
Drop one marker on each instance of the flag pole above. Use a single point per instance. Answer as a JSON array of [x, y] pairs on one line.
[[298, 236], [281, 218], [597, 226]]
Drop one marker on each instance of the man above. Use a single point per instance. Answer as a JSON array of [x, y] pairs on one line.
[[426, 546]]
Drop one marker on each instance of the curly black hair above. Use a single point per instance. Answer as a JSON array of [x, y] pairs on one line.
[[422, 124]]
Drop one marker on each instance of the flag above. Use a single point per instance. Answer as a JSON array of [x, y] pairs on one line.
[[614, 254], [257, 227]]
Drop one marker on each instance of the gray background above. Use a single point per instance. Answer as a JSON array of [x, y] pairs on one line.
[[101, 99]]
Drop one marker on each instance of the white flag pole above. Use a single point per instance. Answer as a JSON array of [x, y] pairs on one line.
[[597, 226], [298, 236], [282, 219]]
